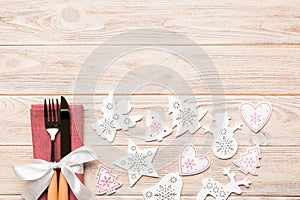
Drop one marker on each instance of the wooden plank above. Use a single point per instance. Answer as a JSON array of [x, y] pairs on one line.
[[278, 174], [114, 197], [205, 22], [252, 70], [282, 129]]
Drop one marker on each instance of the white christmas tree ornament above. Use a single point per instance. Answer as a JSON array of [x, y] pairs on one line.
[[186, 116]]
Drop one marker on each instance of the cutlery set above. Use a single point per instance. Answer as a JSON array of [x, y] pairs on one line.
[[59, 154], [57, 119]]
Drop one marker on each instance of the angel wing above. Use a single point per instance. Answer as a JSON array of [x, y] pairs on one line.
[[109, 107], [123, 106], [125, 122]]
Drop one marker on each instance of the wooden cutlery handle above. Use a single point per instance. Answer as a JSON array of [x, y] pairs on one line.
[[53, 188], [63, 192]]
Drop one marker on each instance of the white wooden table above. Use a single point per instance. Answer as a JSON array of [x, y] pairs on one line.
[[255, 46]]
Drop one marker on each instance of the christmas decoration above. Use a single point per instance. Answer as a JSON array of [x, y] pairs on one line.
[[256, 117], [190, 163], [249, 160], [156, 127], [186, 116], [224, 145], [168, 188], [115, 117], [138, 162], [220, 191], [106, 181]]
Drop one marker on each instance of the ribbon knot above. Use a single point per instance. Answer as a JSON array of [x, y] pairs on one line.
[[55, 165], [41, 171]]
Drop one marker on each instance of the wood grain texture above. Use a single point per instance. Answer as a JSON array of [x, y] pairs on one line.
[[222, 70], [131, 197], [286, 111], [248, 50], [278, 172], [205, 22]]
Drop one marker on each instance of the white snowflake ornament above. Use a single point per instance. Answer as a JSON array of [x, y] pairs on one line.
[[156, 127], [224, 145], [138, 162], [115, 118], [168, 188], [186, 116], [220, 191]]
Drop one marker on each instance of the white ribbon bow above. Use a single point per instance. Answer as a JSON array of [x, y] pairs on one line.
[[40, 173]]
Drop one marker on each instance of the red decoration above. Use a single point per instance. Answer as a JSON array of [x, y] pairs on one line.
[[106, 181], [249, 161]]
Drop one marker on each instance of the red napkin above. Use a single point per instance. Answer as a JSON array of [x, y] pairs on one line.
[[41, 139]]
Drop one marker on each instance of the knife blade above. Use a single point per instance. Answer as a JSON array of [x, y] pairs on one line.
[[65, 145], [65, 129]]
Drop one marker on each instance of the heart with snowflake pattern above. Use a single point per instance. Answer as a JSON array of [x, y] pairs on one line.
[[190, 163], [257, 116]]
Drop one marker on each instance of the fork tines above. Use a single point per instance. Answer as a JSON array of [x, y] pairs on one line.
[[51, 113]]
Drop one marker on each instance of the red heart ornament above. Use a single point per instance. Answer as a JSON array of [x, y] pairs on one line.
[[190, 163], [256, 117]]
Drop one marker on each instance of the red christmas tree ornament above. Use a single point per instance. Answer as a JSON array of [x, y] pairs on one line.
[[249, 160], [106, 181]]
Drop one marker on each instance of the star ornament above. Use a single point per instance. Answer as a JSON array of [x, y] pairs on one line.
[[186, 116], [138, 162]]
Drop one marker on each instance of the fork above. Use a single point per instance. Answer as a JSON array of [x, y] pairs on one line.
[[52, 125]]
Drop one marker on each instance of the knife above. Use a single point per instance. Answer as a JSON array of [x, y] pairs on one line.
[[65, 145]]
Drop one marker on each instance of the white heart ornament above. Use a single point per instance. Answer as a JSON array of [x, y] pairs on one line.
[[256, 117], [168, 188], [190, 163]]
